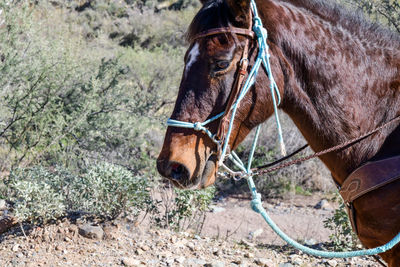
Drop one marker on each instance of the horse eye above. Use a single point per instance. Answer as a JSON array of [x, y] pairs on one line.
[[221, 65]]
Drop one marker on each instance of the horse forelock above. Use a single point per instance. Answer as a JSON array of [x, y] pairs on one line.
[[213, 14]]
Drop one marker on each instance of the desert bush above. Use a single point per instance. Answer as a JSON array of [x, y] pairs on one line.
[[35, 194], [386, 12], [47, 93], [182, 209], [39, 195], [70, 101], [107, 190], [343, 238]]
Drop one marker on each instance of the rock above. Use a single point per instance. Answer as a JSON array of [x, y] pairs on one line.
[[92, 232], [332, 263], [286, 264], [246, 243], [323, 204], [310, 242], [2, 204], [216, 209], [145, 248], [195, 262], [169, 261], [216, 251], [215, 264], [264, 262], [296, 259], [180, 259], [15, 248], [249, 255], [191, 246], [131, 262], [139, 251], [254, 234]]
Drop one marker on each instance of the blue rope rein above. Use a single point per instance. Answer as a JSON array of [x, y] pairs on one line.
[[256, 204]]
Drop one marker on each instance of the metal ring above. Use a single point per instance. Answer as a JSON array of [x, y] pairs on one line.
[[242, 60]]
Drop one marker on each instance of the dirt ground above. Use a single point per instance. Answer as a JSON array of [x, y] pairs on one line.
[[233, 235]]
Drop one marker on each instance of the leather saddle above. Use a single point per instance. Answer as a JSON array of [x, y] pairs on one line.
[[367, 178]]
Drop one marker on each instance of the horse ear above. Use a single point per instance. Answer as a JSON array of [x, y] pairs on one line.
[[240, 10]]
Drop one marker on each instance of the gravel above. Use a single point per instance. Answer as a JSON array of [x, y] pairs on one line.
[[123, 243]]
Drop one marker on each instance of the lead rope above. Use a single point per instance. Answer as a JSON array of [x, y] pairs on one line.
[[262, 58]]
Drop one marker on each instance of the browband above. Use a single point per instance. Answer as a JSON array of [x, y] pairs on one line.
[[241, 31]]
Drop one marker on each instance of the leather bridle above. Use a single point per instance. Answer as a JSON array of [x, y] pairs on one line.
[[240, 76]]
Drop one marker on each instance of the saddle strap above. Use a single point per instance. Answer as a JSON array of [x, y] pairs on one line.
[[369, 177]]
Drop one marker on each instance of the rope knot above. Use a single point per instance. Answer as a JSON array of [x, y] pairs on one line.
[[256, 203], [197, 126]]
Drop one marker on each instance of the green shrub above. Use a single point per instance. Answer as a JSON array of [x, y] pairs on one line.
[[343, 238], [107, 190], [183, 209], [386, 12], [36, 195]]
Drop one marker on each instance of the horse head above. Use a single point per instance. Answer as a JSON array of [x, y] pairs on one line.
[[219, 45]]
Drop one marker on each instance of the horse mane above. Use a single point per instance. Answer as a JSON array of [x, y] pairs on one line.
[[215, 13], [353, 21]]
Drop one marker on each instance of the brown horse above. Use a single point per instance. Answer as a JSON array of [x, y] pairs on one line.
[[339, 77]]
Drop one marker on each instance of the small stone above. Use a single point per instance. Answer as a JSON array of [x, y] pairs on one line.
[[332, 263], [237, 261], [169, 261], [296, 260], [323, 204], [58, 248], [191, 246], [264, 262], [131, 262], [249, 255], [15, 247], [180, 259], [20, 255], [216, 209], [285, 264], [247, 243], [173, 239], [195, 262], [310, 242], [215, 264], [145, 248], [2, 204], [216, 251], [92, 232], [139, 251], [254, 234]]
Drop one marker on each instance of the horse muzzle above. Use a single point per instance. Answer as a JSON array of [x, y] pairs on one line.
[[187, 161]]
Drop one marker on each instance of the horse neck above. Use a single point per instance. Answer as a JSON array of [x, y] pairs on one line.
[[337, 86]]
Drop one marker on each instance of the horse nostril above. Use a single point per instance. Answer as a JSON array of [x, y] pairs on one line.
[[179, 171]]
